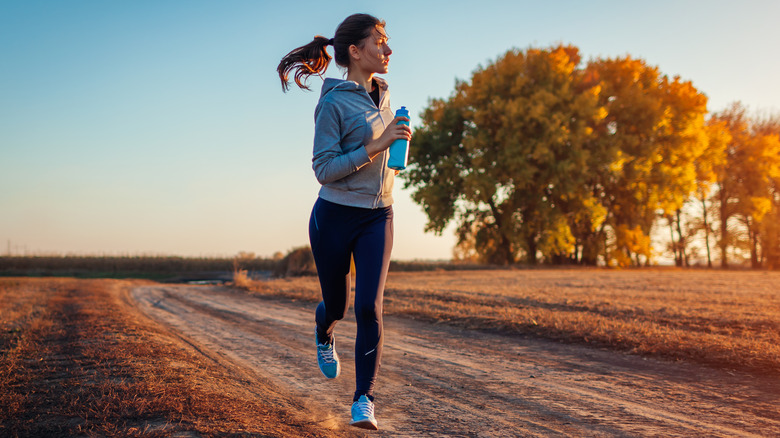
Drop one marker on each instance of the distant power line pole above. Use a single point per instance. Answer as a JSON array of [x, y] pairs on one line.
[[9, 248]]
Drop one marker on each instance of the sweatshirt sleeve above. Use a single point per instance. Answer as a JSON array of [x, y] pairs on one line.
[[329, 162]]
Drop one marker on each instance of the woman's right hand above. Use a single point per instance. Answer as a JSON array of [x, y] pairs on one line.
[[394, 131]]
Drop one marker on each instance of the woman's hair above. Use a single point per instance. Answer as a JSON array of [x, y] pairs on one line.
[[313, 59]]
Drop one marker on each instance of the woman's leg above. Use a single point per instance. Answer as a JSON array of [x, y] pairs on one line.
[[372, 259], [330, 245]]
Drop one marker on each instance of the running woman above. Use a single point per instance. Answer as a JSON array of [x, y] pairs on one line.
[[353, 215]]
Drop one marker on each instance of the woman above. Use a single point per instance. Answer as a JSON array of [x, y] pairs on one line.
[[353, 215]]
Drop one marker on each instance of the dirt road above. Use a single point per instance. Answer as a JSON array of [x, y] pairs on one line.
[[440, 381]]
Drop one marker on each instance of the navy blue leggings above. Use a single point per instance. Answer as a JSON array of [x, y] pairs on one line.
[[337, 232]]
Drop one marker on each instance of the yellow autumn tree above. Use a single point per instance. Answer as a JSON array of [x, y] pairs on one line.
[[654, 129], [708, 167], [770, 225], [747, 186]]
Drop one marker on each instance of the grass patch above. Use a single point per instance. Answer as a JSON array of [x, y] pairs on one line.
[[162, 268], [721, 318], [76, 359]]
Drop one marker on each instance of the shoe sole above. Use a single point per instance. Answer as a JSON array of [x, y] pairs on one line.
[[364, 424]]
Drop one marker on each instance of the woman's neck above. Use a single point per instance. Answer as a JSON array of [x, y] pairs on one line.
[[364, 79]]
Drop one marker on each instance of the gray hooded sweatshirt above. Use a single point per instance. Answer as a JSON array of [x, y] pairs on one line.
[[346, 119]]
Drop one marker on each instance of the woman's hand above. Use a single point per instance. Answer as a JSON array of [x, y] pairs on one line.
[[393, 132]]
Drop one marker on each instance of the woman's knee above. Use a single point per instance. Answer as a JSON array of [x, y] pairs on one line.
[[368, 312], [333, 312], [337, 314]]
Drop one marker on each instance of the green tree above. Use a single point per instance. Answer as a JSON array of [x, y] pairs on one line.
[[506, 157]]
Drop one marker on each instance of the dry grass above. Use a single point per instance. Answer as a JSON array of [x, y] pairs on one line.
[[241, 279], [77, 360], [722, 318], [149, 267]]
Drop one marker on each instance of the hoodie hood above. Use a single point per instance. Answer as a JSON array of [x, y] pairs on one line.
[[332, 84]]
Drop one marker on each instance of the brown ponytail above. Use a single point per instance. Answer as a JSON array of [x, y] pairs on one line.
[[307, 60], [313, 59]]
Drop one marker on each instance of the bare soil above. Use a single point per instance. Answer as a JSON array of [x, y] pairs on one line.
[[438, 380], [79, 359]]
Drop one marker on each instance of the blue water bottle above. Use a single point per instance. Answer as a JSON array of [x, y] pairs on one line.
[[399, 150]]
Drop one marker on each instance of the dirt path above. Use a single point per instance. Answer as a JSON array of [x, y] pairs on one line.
[[439, 381]]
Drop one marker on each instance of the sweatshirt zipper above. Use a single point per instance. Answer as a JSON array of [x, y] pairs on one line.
[[378, 196], [384, 160], [384, 153]]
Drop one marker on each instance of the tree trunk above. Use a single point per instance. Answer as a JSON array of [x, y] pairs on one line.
[[506, 249], [724, 232], [753, 234], [591, 247], [677, 260], [530, 242], [682, 242], [706, 231], [505, 246]]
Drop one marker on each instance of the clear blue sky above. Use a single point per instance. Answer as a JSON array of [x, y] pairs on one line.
[[160, 127]]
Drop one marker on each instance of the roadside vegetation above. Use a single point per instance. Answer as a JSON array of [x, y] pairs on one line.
[[297, 261], [160, 268]]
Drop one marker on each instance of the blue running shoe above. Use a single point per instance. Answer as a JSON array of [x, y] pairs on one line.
[[363, 414], [327, 358]]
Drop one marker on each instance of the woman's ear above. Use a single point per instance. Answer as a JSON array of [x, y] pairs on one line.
[[354, 52]]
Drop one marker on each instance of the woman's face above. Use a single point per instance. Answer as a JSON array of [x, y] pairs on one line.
[[374, 55]]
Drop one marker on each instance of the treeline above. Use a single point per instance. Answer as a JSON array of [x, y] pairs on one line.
[[153, 267], [540, 157], [298, 261]]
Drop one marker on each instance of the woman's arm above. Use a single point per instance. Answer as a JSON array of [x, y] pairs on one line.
[[329, 162]]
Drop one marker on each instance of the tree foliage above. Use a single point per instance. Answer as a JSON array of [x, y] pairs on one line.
[[540, 156], [655, 126], [747, 195], [506, 157]]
